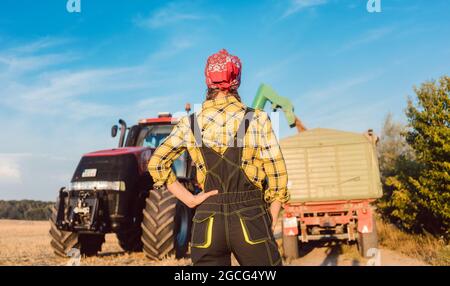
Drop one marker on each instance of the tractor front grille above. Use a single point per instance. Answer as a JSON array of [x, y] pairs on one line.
[[122, 168]]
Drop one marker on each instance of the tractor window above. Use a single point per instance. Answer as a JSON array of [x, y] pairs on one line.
[[154, 140], [153, 136]]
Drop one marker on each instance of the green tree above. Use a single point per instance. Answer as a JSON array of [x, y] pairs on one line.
[[25, 209], [397, 164], [416, 166], [392, 146], [429, 136]]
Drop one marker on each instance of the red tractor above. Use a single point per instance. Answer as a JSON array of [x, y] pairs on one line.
[[112, 191]]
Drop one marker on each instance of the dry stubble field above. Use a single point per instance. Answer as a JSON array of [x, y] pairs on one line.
[[28, 243]]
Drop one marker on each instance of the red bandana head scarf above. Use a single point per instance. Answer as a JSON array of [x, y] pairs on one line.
[[223, 71]]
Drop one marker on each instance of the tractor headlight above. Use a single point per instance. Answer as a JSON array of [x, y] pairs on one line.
[[98, 185]]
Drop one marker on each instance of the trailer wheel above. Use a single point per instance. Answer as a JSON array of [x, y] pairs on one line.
[[158, 224], [63, 241], [367, 241], [290, 246]]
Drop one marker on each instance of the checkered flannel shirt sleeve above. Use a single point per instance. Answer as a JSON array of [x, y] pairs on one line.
[[160, 165], [273, 162]]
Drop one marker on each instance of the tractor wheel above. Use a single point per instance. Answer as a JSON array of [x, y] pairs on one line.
[[130, 240], [290, 246], [183, 225], [367, 241], [63, 241], [158, 224]]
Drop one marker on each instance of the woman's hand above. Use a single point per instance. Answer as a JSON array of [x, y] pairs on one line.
[[201, 197], [181, 193]]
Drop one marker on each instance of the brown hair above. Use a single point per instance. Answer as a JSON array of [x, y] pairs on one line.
[[211, 93]]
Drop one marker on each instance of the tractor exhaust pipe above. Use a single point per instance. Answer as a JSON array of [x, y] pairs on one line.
[[123, 130]]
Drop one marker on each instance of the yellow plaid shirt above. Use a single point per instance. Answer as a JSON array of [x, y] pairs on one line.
[[219, 120]]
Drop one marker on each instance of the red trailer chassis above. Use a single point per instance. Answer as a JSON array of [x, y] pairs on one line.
[[328, 220]]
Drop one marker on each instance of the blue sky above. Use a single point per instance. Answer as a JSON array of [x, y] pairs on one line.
[[65, 78]]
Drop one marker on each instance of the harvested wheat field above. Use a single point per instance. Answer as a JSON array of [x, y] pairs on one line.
[[28, 243]]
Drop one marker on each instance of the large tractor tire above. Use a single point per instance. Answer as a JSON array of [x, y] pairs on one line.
[[367, 241], [130, 240], [64, 241], [290, 246], [166, 226], [158, 224]]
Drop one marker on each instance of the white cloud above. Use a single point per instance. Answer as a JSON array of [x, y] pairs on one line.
[[20, 64], [340, 87], [40, 44], [355, 115], [368, 37], [168, 15], [32, 84], [273, 69], [32, 175], [9, 170], [59, 92], [299, 5], [173, 47], [346, 105], [148, 102], [31, 57]]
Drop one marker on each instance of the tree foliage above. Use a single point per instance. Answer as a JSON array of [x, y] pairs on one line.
[[415, 162], [25, 210]]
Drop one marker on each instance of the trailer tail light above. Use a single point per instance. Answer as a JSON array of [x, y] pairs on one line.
[[290, 225]]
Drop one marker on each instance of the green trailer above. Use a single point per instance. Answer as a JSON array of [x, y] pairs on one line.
[[333, 178], [330, 165]]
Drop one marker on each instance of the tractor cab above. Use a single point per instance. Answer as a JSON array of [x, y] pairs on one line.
[[148, 132]]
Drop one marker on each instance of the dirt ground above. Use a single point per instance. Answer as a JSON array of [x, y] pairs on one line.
[[28, 243]]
